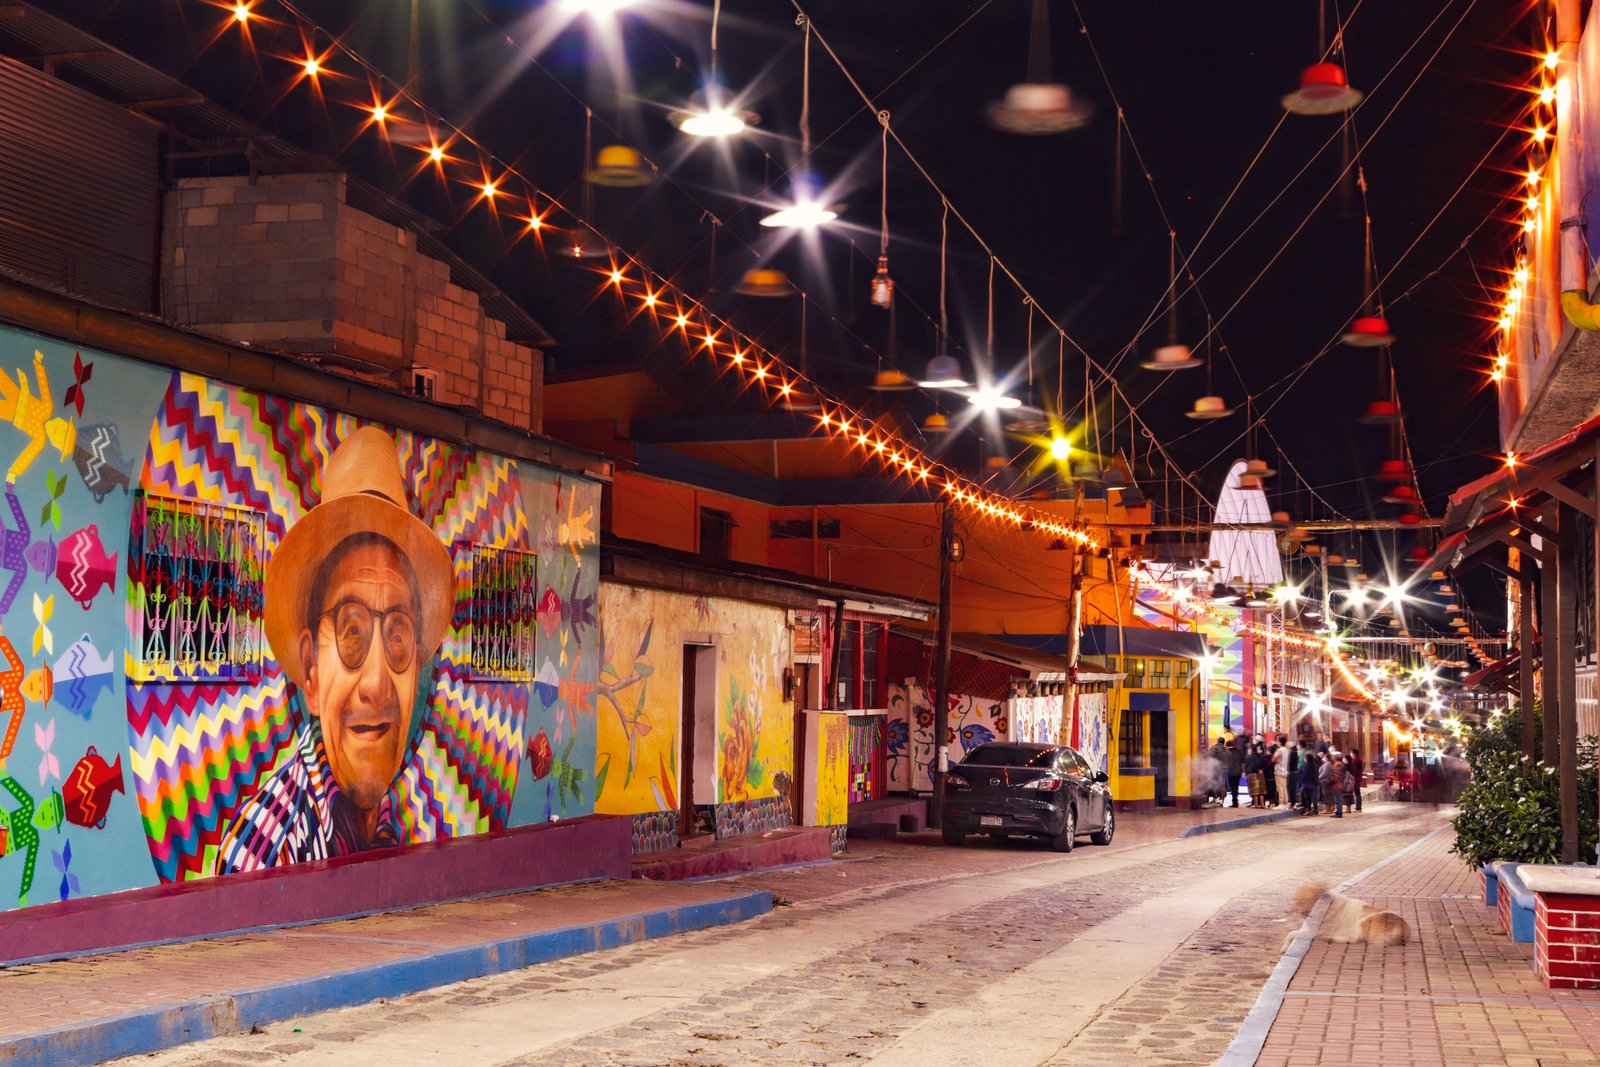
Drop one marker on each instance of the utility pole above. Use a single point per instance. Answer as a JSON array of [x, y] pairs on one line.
[[950, 551], [1069, 703]]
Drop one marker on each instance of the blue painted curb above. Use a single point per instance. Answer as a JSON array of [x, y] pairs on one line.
[[1239, 823], [153, 1029]]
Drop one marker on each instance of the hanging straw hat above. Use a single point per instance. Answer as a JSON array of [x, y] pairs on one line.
[[1034, 108], [362, 492]]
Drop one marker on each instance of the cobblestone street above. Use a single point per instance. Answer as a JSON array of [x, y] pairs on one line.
[[905, 953]]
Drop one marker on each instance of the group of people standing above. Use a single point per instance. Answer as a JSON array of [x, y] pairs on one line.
[[1277, 773]]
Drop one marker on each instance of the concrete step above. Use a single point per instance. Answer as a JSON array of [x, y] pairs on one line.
[[706, 856]]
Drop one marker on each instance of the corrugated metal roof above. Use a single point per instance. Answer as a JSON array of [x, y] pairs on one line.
[[34, 35]]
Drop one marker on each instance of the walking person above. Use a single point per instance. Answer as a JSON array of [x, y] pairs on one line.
[[1293, 796], [1280, 771], [1330, 776], [1235, 769], [1270, 776], [1358, 770], [1310, 788], [1252, 775]]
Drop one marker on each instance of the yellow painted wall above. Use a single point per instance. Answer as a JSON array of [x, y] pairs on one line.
[[637, 765], [833, 770], [1185, 731]]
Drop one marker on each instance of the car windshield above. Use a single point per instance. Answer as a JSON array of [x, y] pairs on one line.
[[998, 755]]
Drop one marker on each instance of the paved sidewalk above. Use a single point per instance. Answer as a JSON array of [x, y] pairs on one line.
[[91, 1008], [1458, 992]]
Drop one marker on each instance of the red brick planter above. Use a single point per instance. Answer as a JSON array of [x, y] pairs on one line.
[[1567, 940]]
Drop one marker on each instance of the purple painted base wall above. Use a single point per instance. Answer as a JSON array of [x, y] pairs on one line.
[[574, 850]]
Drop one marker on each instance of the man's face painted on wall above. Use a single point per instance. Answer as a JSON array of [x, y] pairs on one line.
[[362, 666]]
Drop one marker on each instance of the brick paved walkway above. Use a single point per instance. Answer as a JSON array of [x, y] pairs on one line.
[[1459, 992]]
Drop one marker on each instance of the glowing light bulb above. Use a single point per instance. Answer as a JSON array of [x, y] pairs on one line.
[[1547, 95], [650, 302], [1529, 225], [1552, 60], [718, 122], [1060, 449], [1533, 176], [616, 278], [313, 66], [241, 12], [1533, 203], [436, 153], [1521, 275], [489, 190], [379, 113], [1539, 134]]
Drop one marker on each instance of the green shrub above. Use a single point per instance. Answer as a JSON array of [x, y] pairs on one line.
[[1512, 808]]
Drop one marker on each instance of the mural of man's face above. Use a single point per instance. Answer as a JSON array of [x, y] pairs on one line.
[[362, 665]]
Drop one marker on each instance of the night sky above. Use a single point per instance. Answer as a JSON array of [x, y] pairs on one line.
[[1199, 85]]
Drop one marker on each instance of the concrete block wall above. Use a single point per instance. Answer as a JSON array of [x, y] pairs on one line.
[[282, 261]]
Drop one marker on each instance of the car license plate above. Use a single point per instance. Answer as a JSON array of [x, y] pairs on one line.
[[989, 820]]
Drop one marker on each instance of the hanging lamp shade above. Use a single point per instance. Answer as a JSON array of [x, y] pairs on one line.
[[1447, 589], [1410, 518], [766, 282], [1439, 576], [1298, 534], [890, 380], [1221, 594], [620, 167], [1452, 606], [1394, 470], [1171, 357], [1368, 331], [1259, 468], [937, 423], [1324, 90], [944, 372], [1362, 577], [1381, 413], [1351, 561], [1401, 494], [1027, 421], [711, 114], [1280, 518], [1251, 481], [805, 210], [1311, 548], [1334, 559], [1458, 621], [1035, 109], [1209, 407]]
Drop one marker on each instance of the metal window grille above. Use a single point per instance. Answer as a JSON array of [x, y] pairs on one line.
[[502, 612], [198, 590]]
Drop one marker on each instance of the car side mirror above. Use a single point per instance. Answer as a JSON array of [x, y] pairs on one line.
[[1101, 776]]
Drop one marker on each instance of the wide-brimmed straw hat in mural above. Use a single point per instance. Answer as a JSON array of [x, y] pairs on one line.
[[362, 492]]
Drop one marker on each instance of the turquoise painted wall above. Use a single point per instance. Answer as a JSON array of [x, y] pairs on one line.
[[113, 779]]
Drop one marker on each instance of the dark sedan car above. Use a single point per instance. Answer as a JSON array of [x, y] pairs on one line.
[[1046, 791]]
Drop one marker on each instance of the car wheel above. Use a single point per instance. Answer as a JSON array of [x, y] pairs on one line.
[[1068, 836], [1103, 837], [953, 836]]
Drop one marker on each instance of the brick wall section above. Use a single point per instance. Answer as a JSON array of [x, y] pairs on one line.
[[1566, 947], [283, 262], [1503, 911]]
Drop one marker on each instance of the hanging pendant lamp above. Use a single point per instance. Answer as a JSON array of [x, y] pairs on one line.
[[1038, 106], [711, 111], [765, 282], [591, 245], [807, 211], [890, 380], [1401, 494], [1394, 470], [1369, 329], [1324, 90], [1380, 413], [944, 370], [620, 167], [882, 288], [1209, 407], [1172, 355], [936, 424]]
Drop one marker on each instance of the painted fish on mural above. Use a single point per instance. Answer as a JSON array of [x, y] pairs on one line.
[[547, 684], [83, 566], [550, 611], [540, 754], [81, 674], [99, 460], [87, 791]]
